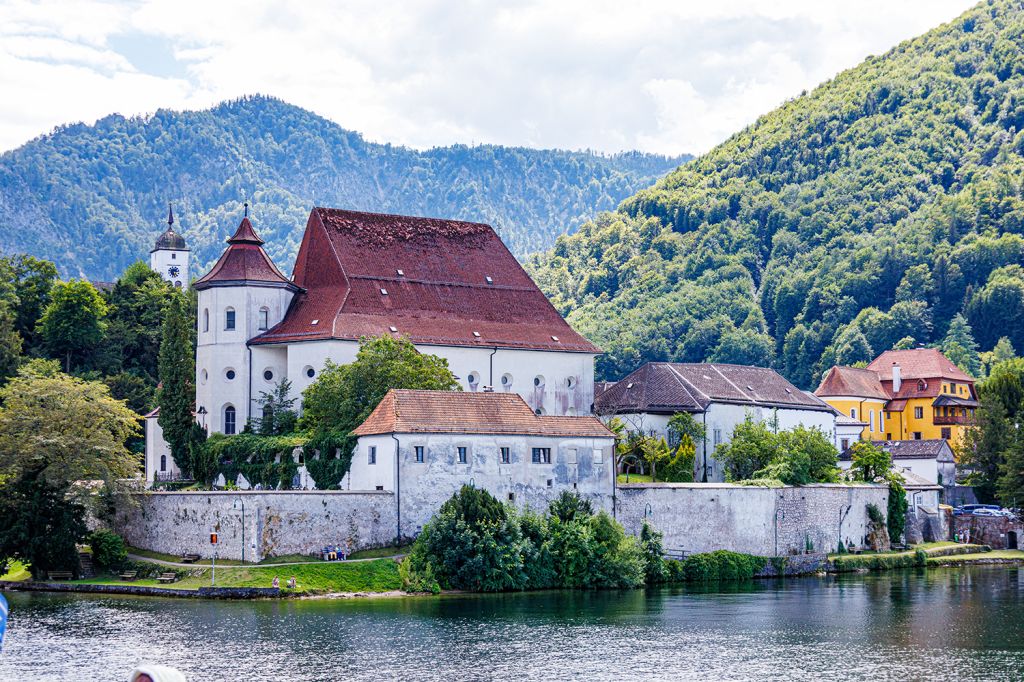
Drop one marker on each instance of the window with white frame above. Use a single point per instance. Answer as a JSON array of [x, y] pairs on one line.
[[506, 455], [541, 456], [871, 421], [229, 319], [206, 319], [716, 435], [571, 455], [371, 454], [264, 318], [463, 454], [419, 453], [598, 456], [229, 420]]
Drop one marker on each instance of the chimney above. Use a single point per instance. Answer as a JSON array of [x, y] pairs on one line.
[[897, 380]]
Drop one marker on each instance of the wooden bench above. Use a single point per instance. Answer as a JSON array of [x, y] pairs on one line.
[[190, 558], [128, 576], [677, 554], [60, 575], [167, 577]]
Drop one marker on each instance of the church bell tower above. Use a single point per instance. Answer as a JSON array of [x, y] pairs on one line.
[[169, 256]]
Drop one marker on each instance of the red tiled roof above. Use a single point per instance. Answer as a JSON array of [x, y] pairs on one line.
[[917, 363], [406, 411], [448, 282], [243, 261], [851, 381], [666, 387]]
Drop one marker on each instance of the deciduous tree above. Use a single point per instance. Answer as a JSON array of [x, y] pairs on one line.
[[73, 324]]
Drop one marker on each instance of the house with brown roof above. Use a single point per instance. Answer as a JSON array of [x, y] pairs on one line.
[[914, 394], [424, 445], [719, 396], [930, 459], [451, 287]]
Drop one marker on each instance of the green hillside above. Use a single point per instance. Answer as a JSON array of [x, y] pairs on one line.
[[872, 209], [93, 198]]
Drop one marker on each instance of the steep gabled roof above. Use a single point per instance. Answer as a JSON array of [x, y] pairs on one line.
[[917, 363], [438, 282], [406, 411], [851, 381], [665, 387], [244, 261]]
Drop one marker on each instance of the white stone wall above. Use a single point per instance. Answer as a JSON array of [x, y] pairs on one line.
[[275, 523], [762, 521]]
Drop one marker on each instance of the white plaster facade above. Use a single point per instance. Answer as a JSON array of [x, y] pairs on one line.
[[158, 461], [720, 420], [172, 265], [390, 463]]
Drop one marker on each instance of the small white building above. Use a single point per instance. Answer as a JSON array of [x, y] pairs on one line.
[[159, 464], [930, 460], [848, 431], [450, 287], [719, 396], [425, 445]]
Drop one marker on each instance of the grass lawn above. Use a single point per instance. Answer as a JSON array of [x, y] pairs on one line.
[[634, 478], [980, 556], [18, 571], [335, 576], [926, 546], [380, 552]]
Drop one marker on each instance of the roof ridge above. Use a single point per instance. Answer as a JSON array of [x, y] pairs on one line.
[[733, 384], [685, 383]]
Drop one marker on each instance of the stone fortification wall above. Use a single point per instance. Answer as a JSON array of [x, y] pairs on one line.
[[274, 523], [703, 517]]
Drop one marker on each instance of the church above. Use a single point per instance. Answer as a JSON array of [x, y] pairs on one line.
[[451, 287]]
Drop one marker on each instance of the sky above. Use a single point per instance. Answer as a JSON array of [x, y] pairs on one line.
[[668, 76]]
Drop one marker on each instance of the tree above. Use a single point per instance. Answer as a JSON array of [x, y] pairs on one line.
[[73, 323], [680, 468], [343, 396], [65, 428], [39, 522], [278, 417], [684, 424], [960, 346], [752, 446], [137, 305], [10, 343], [870, 463], [32, 280], [177, 368], [1002, 352]]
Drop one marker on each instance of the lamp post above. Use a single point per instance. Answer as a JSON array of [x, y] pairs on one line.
[[234, 505], [201, 412]]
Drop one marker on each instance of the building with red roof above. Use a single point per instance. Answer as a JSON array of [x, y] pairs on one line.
[[451, 287], [911, 394]]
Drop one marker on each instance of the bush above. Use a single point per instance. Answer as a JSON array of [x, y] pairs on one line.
[[722, 565], [655, 567], [108, 550]]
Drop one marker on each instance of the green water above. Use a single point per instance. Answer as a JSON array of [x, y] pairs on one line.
[[952, 624]]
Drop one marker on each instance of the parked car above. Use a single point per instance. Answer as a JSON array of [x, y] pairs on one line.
[[986, 512], [972, 508]]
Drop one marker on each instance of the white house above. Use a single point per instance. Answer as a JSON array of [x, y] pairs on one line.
[[424, 445], [451, 287], [159, 464], [169, 256], [848, 431], [929, 459], [719, 396]]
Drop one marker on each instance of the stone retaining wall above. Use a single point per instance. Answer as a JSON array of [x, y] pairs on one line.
[[143, 590], [275, 523], [998, 532], [703, 517]]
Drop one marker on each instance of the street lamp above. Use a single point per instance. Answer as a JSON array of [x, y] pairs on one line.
[[202, 413], [234, 505]]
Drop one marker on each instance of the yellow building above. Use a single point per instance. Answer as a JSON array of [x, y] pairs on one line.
[[904, 395]]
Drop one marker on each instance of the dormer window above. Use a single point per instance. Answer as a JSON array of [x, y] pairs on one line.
[[554, 338], [383, 291], [476, 335], [401, 273], [393, 329], [315, 322], [489, 280]]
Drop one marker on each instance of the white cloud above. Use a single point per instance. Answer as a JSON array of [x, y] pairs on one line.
[[663, 75]]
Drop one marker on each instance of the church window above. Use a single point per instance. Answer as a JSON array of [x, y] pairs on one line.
[[268, 375], [203, 376], [474, 380], [163, 462], [310, 372], [264, 318], [230, 375], [539, 411], [506, 381], [229, 420], [538, 381], [206, 319], [571, 382], [177, 283], [229, 319]]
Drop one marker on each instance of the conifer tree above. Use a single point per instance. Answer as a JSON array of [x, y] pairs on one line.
[[177, 368], [960, 346]]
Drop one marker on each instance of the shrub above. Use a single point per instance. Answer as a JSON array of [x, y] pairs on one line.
[[569, 505], [108, 550], [722, 565], [654, 565], [897, 517]]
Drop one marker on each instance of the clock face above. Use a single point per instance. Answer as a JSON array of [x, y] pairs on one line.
[[173, 271]]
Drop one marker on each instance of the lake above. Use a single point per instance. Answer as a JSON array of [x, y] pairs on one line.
[[957, 623]]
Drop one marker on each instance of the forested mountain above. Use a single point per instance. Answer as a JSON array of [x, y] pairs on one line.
[[93, 198], [866, 213]]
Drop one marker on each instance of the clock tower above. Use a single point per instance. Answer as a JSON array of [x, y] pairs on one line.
[[169, 256]]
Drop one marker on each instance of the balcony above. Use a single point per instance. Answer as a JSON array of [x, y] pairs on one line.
[[958, 420]]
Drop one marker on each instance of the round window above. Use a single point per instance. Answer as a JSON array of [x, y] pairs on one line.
[[203, 376], [539, 411], [538, 381], [230, 374], [506, 379], [310, 372], [268, 375], [571, 382], [474, 378]]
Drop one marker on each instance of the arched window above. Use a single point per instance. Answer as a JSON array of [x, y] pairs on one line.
[[229, 319], [206, 319], [163, 462], [264, 318], [229, 420]]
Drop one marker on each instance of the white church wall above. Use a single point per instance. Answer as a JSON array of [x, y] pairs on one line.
[[158, 454]]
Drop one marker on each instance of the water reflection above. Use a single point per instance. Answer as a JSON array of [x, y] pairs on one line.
[[960, 623]]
